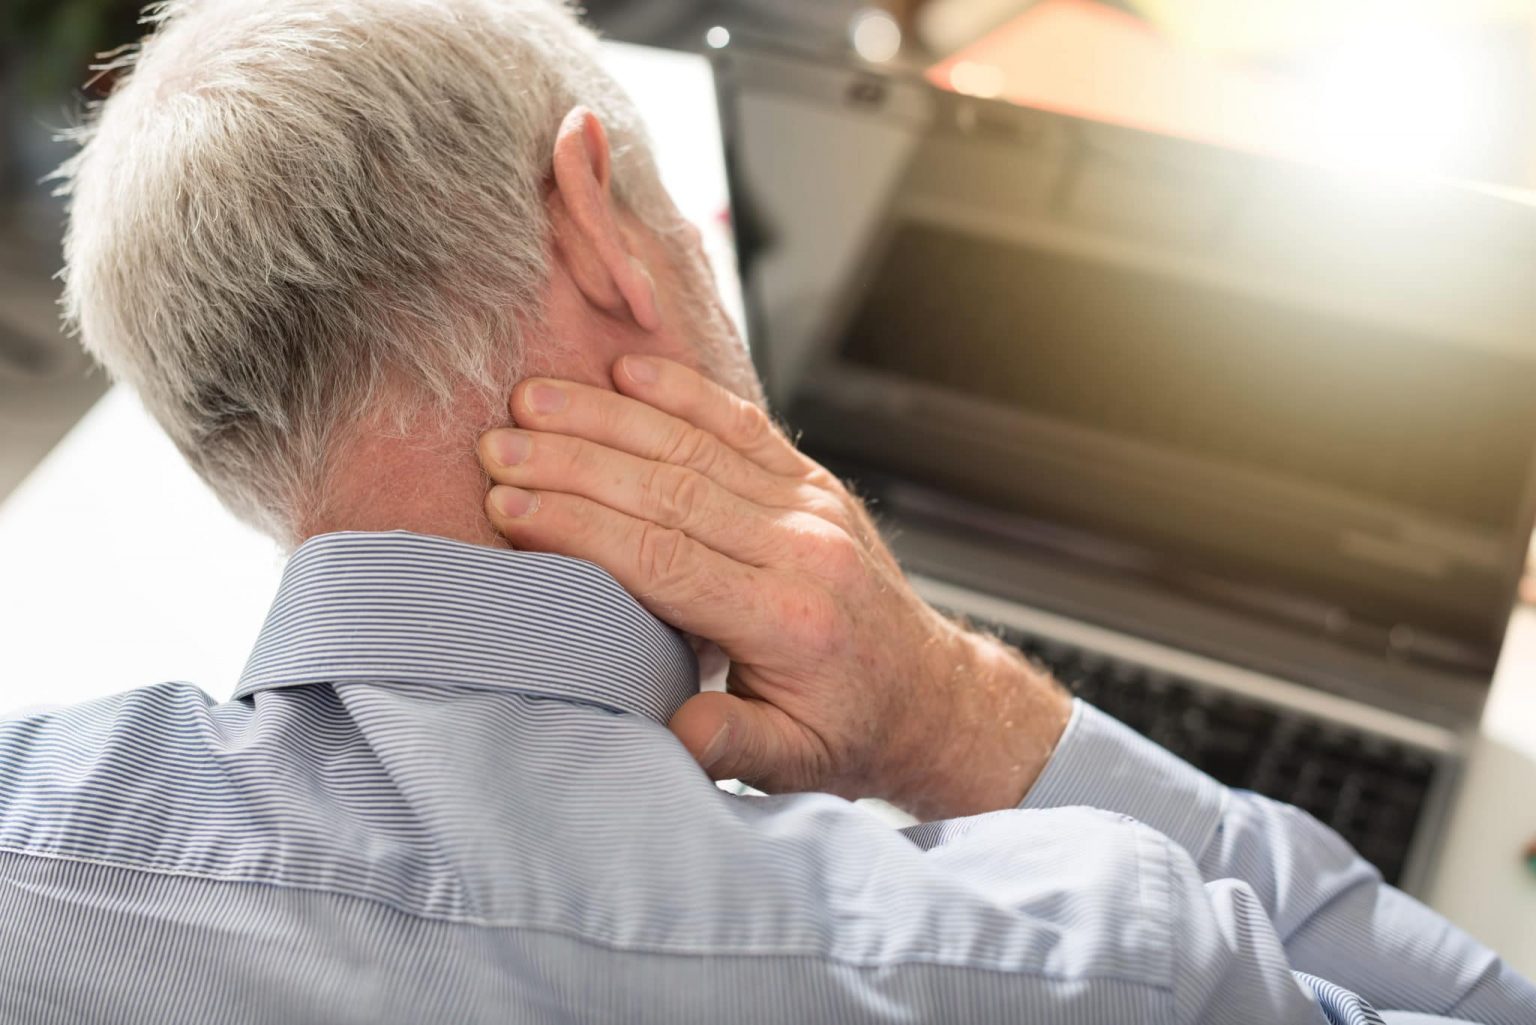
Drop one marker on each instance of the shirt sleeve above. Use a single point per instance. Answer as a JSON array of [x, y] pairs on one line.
[[1334, 916], [1131, 931]]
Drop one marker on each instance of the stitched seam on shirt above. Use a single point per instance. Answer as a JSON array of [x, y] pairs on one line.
[[932, 959], [1157, 908], [1146, 835]]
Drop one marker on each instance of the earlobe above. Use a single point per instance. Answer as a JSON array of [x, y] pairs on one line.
[[640, 293], [588, 231]]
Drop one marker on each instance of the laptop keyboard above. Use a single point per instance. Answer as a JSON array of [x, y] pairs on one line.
[[1370, 789]]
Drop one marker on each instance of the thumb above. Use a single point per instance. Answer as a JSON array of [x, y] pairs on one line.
[[732, 737]]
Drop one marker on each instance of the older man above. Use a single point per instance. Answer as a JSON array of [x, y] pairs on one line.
[[324, 239]]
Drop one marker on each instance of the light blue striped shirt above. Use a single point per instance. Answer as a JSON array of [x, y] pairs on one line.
[[444, 792]]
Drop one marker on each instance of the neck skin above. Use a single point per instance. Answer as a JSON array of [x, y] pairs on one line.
[[427, 484]]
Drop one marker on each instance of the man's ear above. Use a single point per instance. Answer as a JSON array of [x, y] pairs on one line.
[[587, 232]]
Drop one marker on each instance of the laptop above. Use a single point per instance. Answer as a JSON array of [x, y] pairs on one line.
[[1241, 448]]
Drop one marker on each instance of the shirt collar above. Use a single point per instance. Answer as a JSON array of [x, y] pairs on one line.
[[406, 608]]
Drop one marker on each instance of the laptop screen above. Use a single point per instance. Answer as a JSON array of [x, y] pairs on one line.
[[1252, 384], [1220, 371]]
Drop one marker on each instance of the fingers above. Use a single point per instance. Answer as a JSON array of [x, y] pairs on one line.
[[748, 739], [663, 493], [619, 422], [677, 578], [695, 399]]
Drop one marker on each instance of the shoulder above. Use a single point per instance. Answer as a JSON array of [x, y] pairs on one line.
[[85, 735], [137, 779]]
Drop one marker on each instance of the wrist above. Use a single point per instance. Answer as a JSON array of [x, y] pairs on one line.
[[985, 723]]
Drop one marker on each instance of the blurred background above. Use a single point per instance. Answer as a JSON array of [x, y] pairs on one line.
[[1416, 87]]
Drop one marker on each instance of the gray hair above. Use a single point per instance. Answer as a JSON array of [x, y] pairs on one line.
[[285, 205]]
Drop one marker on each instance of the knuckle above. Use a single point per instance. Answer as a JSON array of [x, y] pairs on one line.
[[573, 458], [749, 424], [830, 509], [608, 420], [830, 550], [685, 447], [661, 553], [841, 559], [671, 493], [705, 456], [819, 476]]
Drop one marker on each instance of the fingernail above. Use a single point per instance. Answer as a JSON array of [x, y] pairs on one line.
[[513, 503], [715, 749], [546, 398], [509, 448], [641, 370]]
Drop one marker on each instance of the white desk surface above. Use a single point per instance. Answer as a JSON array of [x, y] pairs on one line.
[[118, 568]]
